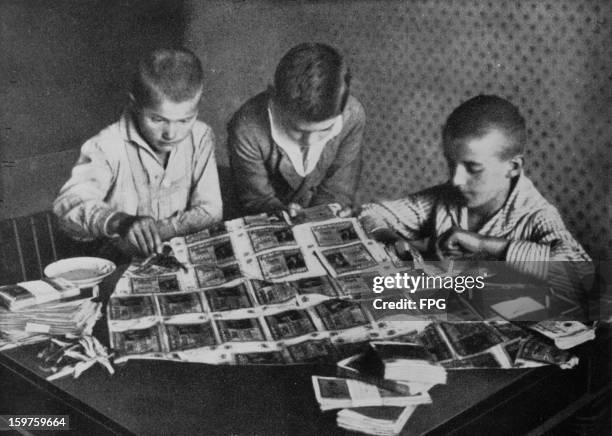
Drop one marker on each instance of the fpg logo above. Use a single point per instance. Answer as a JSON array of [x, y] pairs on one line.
[[432, 303]]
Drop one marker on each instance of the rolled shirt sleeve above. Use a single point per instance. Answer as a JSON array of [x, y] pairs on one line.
[[551, 253], [406, 216], [529, 258], [80, 205]]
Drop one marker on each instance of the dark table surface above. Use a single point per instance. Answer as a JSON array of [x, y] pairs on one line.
[[159, 397]]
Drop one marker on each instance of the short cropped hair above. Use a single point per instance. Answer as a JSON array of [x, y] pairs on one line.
[[479, 115], [312, 82], [175, 74]]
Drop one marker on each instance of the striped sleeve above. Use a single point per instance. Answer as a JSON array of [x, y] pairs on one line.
[[406, 216], [529, 258], [548, 251]]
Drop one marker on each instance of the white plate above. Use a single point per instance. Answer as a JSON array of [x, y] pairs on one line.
[[82, 271]]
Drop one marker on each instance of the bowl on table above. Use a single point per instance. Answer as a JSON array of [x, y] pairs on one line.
[[84, 272]]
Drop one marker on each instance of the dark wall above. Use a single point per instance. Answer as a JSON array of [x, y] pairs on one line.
[[64, 70]]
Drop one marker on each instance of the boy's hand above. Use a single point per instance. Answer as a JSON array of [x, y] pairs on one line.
[[402, 250], [347, 211], [140, 231], [144, 235], [294, 209], [385, 235]]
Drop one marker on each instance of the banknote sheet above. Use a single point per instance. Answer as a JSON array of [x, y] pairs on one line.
[[268, 290], [339, 393]]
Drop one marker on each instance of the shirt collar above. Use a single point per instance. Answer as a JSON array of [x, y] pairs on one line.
[[515, 191], [281, 137], [293, 149], [518, 190], [130, 131], [513, 202]]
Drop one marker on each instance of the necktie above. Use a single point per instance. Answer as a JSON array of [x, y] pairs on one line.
[[304, 150]]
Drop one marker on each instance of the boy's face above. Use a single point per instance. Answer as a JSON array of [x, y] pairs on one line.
[[167, 123], [308, 133], [482, 177]]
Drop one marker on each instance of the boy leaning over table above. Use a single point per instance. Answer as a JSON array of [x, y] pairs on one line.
[[298, 144], [488, 208], [152, 175]]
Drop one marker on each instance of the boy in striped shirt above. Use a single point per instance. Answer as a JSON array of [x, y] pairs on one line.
[[488, 208]]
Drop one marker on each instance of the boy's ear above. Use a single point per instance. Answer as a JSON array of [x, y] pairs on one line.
[[516, 165], [132, 101]]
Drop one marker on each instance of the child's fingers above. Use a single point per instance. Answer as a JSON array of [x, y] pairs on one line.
[[149, 233], [347, 212], [294, 209], [158, 242], [133, 238]]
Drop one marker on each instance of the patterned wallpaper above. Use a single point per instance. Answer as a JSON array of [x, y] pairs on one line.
[[415, 61]]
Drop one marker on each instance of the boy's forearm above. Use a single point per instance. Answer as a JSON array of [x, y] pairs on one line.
[[166, 230], [494, 247], [326, 196], [83, 219], [190, 221], [263, 204], [528, 257]]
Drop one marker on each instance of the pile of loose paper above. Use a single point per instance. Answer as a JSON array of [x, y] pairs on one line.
[[73, 357], [36, 310], [565, 334], [385, 386], [375, 420]]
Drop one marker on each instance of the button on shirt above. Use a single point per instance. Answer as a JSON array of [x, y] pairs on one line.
[[118, 172]]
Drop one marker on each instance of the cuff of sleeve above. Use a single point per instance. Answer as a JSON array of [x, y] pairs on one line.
[[167, 228], [326, 197], [272, 205], [105, 219], [372, 222], [529, 258]]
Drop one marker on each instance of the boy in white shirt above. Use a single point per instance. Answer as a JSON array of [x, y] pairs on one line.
[[152, 175]]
